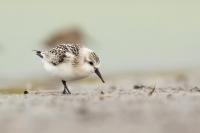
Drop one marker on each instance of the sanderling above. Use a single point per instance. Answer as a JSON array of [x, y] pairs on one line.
[[70, 62]]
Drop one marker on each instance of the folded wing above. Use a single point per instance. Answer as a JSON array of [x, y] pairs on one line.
[[62, 53]]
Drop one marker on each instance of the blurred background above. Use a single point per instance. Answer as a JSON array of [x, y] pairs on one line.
[[128, 35]]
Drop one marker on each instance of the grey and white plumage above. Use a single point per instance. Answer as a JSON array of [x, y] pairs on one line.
[[70, 62], [61, 53]]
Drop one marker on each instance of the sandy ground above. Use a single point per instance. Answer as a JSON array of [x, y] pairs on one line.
[[139, 103]]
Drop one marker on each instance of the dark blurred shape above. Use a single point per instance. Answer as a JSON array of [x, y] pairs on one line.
[[102, 92], [152, 91], [25, 92], [67, 35], [195, 89], [139, 86]]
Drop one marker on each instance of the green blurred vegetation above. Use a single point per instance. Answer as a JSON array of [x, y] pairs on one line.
[[12, 90]]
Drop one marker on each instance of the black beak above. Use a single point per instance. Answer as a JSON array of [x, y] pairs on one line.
[[99, 74]]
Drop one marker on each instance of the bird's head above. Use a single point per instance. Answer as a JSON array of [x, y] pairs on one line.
[[92, 62]]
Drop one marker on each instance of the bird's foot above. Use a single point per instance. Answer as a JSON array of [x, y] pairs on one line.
[[65, 92]]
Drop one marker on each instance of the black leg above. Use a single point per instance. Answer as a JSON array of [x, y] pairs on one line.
[[65, 88]]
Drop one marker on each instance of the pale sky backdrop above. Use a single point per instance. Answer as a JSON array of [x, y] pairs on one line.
[[131, 34]]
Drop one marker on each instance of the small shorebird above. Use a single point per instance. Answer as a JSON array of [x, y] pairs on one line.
[[70, 62]]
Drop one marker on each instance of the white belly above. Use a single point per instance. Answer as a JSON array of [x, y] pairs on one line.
[[65, 71]]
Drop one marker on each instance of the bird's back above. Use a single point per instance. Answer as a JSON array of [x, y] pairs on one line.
[[61, 53]]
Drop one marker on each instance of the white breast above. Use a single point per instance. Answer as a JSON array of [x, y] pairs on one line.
[[65, 71]]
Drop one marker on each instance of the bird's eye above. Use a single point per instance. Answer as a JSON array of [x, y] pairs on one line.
[[91, 63]]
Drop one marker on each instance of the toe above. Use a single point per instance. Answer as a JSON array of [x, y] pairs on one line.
[[64, 92]]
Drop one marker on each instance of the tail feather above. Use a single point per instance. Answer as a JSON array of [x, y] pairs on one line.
[[38, 53]]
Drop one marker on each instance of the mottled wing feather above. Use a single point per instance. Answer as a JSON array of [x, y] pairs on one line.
[[62, 53]]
